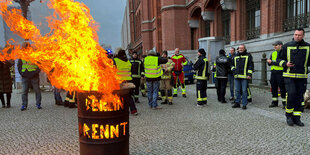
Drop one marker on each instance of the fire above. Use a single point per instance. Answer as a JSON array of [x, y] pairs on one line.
[[70, 53]]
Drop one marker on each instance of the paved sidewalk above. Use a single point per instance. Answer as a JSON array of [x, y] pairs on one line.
[[181, 128]]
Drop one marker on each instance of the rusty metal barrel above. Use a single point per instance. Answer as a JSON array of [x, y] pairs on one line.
[[103, 129]]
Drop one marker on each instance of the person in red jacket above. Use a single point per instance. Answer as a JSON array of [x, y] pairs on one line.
[[178, 73]]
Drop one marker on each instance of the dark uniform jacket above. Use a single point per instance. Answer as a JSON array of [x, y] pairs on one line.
[[243, 65], [5, 77], [298, 54], [222, 66], [230, 59], [136, 68], [200, 65]]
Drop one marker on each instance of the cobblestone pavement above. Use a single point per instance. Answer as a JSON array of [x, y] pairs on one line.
[[181, 128]]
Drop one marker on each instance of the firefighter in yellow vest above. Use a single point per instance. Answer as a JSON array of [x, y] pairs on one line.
[[153, 72], [276, 78], [124, 71], [30, 76], [201, 67], [165, 82]]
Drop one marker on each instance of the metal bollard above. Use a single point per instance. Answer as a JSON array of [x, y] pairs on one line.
[[264, 71]]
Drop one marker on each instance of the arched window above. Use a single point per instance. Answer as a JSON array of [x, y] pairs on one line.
[[297, 14], [253, 19]]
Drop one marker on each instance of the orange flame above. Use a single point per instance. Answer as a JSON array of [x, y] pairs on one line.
[[69, 53]]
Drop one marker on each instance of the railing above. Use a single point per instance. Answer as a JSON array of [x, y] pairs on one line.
[[295, 22], [253, 33]]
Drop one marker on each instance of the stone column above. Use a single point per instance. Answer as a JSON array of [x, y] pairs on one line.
[[264, 71]]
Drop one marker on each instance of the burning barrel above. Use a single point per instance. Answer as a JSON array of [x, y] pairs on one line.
[[103, 126]]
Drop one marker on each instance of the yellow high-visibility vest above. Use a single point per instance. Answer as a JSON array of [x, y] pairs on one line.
[[123, 69], [27, 65], [151, 67]]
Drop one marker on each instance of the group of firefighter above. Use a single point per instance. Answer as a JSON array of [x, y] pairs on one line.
[[289, 68], [159, 75]]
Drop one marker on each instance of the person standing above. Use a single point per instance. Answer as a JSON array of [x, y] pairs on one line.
[[152, 73], [165, 82], [124, 70], [201, 68], [276, 78], [30, 76], [294, 58], [222, 67], [57, 96], [242, 68], [137, 71], [230, 74], [5, 83], [178, 74], [143, 81]]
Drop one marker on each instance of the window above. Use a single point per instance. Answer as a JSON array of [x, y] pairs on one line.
[[253, 18], [226, 25], [207, 28], [297, 14]]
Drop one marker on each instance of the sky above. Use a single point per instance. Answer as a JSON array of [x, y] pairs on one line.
[[109, 15]]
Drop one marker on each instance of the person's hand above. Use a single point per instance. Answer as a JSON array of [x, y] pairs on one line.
[[249, 77], [269, 61], [290, 64]]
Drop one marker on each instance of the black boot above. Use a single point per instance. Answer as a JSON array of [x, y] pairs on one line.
[[289, 120], [236, 105], [165, 102], [296, 120], [8, 105], [3, 105], [66, 104], [72, 105]]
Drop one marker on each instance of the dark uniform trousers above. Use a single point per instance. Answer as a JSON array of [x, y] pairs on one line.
[[221, 88], [136, 81], [277, 81], [201, 88], [295, 87]]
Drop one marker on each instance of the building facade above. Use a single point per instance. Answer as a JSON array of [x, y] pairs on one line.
[[167, 24]]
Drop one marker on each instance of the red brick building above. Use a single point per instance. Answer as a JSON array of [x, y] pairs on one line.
[[167, 24]]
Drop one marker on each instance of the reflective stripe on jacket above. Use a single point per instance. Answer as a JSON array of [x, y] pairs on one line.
[[298, 54], [123, 69], [151, 67], [274, 57], [202, 73], [27, 65]]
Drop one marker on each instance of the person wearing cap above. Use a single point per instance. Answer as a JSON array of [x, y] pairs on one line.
[[178, 74], [242, 68], [221, 67], [124, 70], [137, 71], [202, 75], [153, 72], [294, 58], [276, 78], [165, 82]]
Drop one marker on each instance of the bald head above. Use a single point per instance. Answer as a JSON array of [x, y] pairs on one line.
[[177, 51]]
